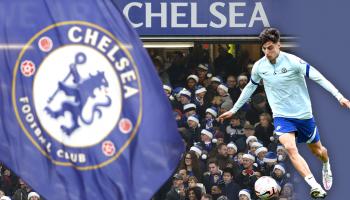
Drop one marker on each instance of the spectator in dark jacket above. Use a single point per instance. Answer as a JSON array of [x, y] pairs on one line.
[[210, 118], [225, 63], [213, 176], [201, 101], [248, 175], [176, 70], [270, 161], [260, 155], [234, 131], [212, 88], [177, 191], [9, 182], [230, 187], [191, 83], [206, 141], [202, 72], [280, 175], [264, 130], [22, 192], [258, 106], [222, 155], [231, 82], [242, 82], [192, 134]]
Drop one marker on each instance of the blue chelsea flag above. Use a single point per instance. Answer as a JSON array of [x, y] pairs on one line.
[[82, 111]]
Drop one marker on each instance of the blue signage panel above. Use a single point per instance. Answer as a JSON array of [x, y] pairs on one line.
[[202, 18]]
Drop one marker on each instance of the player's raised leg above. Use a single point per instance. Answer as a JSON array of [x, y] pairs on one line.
[[321, 152], [288, 140]]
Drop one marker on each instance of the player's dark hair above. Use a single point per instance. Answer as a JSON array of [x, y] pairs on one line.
[[269, 34]]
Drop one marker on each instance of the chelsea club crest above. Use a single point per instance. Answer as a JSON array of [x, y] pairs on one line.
[[77, 94]]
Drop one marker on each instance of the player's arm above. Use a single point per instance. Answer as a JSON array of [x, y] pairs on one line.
[[245, 95], [316, 76]]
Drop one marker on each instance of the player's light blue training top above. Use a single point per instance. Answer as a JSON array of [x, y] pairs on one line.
[[285, 86]]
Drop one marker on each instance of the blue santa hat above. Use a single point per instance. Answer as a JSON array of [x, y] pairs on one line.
[[212, 110], [194, 118], [249, 156], [244, 192], [256, 144], [196, 148], [33, 194], [186, 93], [216, 79], [189, 107], [200, 89], [203, 66], [232, 145], [207, 132], [270, 157], [194, 77], [281, 167], [260, 149], [250, 138], [223, 87], [177, 90]]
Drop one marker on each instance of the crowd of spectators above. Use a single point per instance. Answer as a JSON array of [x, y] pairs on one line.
[[223, 160], [13, 187]]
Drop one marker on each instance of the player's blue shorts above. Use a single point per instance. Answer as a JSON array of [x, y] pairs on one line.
[[305, 129]]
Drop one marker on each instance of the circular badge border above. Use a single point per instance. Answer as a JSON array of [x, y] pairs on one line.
[[15, 71]]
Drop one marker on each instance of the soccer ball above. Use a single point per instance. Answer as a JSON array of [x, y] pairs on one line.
[[266, 187]]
